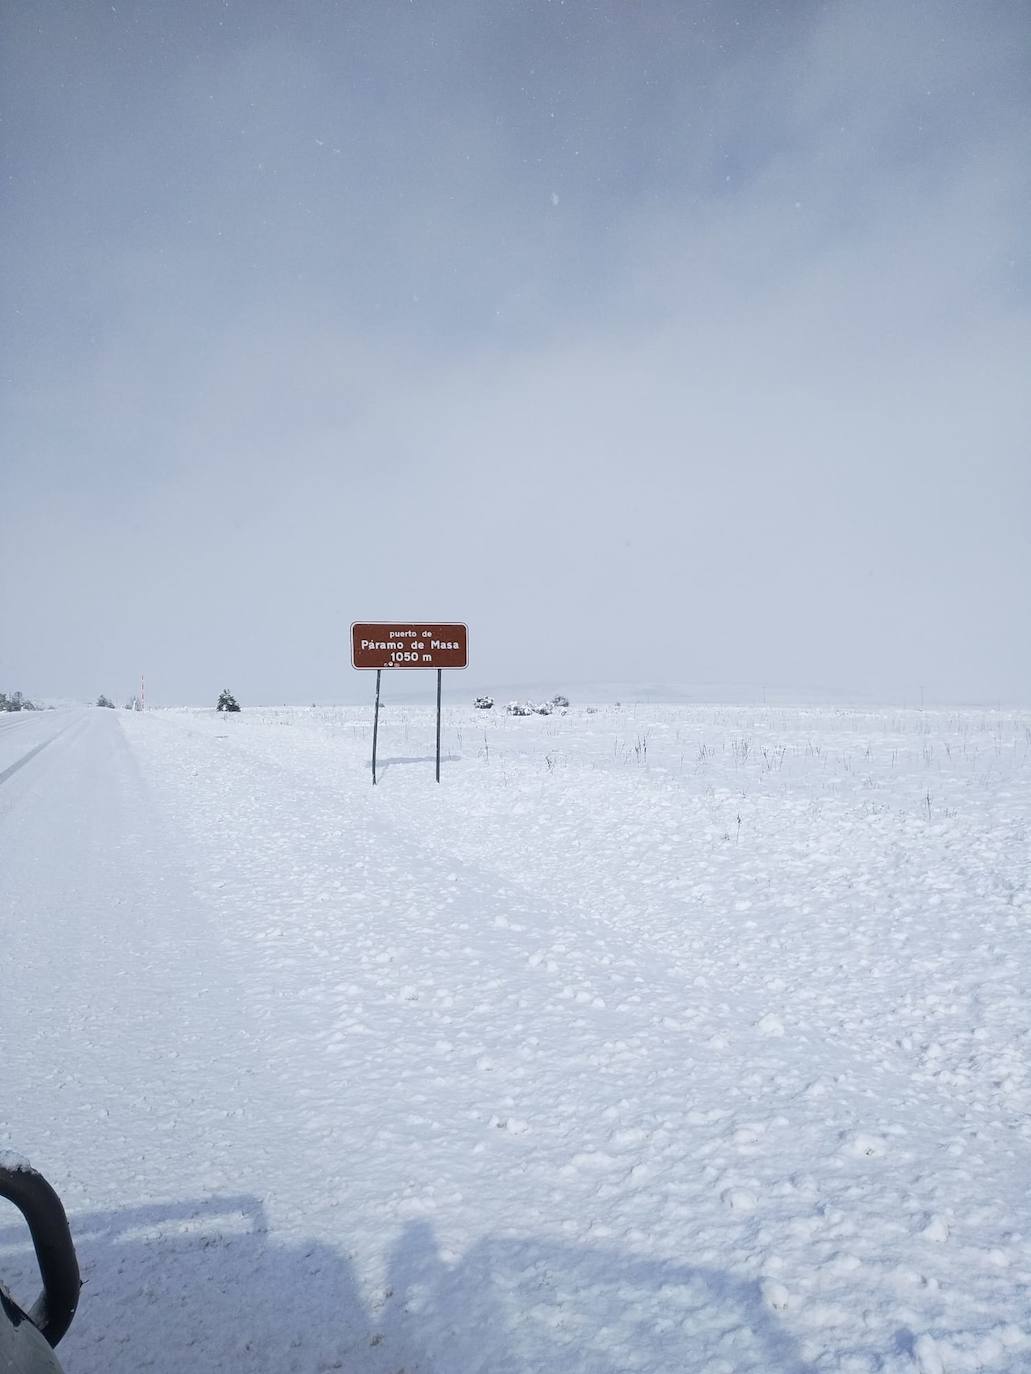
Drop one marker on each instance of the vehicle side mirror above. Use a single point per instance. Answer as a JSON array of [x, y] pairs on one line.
[[52, 1312]]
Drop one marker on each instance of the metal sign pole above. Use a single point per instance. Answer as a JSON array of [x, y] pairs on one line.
[[440, 674], [375, 727]]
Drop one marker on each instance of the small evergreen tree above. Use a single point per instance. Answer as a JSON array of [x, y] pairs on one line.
[[227, 702], [103, 701]]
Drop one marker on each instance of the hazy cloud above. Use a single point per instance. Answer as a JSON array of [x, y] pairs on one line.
[[667, 341]]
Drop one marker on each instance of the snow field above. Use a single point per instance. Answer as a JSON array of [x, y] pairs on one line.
[[654, 1038]]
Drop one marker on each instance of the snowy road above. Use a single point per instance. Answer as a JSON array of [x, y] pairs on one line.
[[687, 1040]]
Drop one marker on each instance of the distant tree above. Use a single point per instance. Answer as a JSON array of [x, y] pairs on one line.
[[484, 703], [227, 702], [16, 702], [103, 701], [560, 701]]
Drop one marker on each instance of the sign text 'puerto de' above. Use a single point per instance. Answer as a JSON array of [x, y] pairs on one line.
[[384, 644]]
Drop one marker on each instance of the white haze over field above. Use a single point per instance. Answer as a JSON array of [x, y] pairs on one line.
[[668, 343]]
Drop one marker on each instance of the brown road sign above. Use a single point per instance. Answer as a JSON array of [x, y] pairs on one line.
[[409, 644]]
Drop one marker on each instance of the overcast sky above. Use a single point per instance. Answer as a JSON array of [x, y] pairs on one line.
[[659, 340]]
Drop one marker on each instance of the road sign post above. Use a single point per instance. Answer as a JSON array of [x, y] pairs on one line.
[[375, 727], [407, 644], [440, 674]]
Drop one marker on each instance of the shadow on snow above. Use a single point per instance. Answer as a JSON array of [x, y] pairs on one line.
[[203, 1285], [383, 764]]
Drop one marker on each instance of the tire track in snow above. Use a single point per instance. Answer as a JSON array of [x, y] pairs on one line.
[[15, 767], [7, 727]]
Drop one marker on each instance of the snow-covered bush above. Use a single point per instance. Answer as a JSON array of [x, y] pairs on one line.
[[484, 703], [559, 700], [530, 708]]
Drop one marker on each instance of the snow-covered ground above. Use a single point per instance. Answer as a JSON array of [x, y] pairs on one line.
[[668, 1038]]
